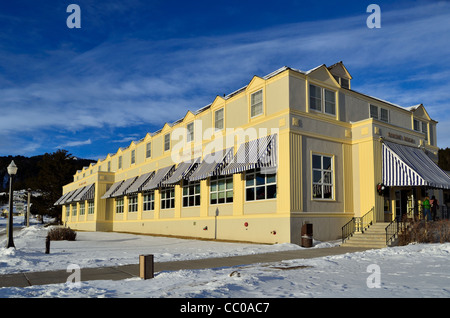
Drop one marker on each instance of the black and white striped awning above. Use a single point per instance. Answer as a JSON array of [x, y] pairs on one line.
[[212, 164], [108, 194], [140, 182], [184, 169], [410, 166], [87, 193], [120, 191], [160, 176], [258, 153]]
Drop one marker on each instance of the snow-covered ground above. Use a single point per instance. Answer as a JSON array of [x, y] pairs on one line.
[[417, 270]]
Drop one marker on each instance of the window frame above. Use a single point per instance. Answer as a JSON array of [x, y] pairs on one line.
[[167, 142], [167, 199], [191, 194], [321, 100], [148, 150], [322, 181], [217, 119], [148, 201], [254, 104], [91, 207], [214, 189], [190, 132], [119, 205], [133, 156], [82, 210], [133, 203], [255, 186]]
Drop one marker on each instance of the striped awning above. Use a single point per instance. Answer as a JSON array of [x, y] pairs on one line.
[[87, 193], [212, 164], [258, 153], [70, 196], [63, 198], [183, 170], [410, 166], [160, 176], [140, 181], [108, 194], [120, 191]]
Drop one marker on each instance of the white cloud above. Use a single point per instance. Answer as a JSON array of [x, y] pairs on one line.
[[75, 144]]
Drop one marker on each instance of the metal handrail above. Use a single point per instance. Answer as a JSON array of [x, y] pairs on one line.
[[363, 222], [348, 229], [393, 229]]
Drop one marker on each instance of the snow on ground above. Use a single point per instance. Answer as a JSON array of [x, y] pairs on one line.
[[416, 270]]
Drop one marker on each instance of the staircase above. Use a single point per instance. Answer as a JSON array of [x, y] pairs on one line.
[[372, 237]]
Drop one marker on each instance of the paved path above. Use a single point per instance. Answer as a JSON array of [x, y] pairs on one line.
[[128, 271]]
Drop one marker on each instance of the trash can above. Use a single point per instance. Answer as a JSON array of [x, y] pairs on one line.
[[307, 235]]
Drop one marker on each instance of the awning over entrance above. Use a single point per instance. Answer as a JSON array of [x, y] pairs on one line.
[[410, 166], [258, 153]]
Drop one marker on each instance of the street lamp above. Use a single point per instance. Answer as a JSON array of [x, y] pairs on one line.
[[12, 170]]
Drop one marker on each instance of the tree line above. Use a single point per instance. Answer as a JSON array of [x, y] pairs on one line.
[[45, 174]]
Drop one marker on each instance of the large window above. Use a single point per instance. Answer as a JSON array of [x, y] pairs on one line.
[[256, 103], [133, 203], [119, 205], [260, 186], [322, 174], [91, 207], [191, 194], [218, 119], [82, 208], [168, 198], [74, 209], [221, 189], [149, 201], [322, 100]]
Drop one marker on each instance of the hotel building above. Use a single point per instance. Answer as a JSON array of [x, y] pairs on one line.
[[255, 165]]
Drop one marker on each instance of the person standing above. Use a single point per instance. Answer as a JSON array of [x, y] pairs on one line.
[[434, 206], [426, 209]]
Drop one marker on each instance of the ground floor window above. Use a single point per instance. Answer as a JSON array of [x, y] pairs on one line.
[[119, 205], [67, 210], [74, 209], [149, 201], [133, 203], [322, 176], [168, 198], [191, 194], [82, 208], [221, 189], [91, 207], [260, 186]]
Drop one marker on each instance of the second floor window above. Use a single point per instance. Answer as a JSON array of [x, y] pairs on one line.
[[166, 142], [190, 132], [256, 103], [218, 119], [322, 100]]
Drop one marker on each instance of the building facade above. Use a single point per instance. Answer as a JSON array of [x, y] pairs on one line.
[[255, 165]]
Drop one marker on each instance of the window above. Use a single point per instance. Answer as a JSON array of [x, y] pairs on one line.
[[425, 129], [315, 98], [345, 83], [327, 104], [191, 194], [256, 103], [168, 198], [166, 142], [74, 209], [149, 201], [221, 189], [190, 132], [119, 205], [148, 150], [91, 207], [67, 210], [374, 111], [330, 102], [82, 208], [133, 156], [218, 119], [322, 175], [133, 203], [384, 114], [260, 186], [109, 166], [416, 125], [120, 162]]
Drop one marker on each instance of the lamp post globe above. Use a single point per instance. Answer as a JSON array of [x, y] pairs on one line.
[[12, 170]]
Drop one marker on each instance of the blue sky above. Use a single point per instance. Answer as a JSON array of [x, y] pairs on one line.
[[135, 65]]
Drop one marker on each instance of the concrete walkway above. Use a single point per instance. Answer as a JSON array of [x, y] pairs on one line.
[[128, 271]]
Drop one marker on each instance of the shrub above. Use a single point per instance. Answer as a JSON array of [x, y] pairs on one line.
[[62, 234], [426, 232]]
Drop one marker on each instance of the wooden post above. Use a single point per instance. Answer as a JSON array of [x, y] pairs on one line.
[[47, 245], [146, 266]]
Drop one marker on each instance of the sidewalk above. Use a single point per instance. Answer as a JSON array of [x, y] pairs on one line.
[[129, 271]]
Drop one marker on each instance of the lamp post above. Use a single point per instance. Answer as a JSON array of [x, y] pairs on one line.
[[12, 170]]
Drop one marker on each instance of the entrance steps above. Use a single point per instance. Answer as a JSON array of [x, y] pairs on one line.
[[373, 237]]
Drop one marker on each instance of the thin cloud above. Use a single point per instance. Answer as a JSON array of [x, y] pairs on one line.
[[75, 144]]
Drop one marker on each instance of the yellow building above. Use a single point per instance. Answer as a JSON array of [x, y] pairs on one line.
[[289, 148]]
